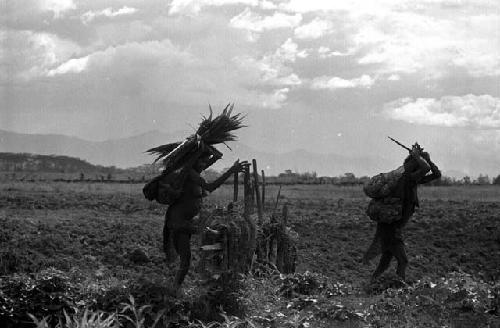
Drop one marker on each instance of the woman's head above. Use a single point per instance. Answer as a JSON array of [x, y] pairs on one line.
[[202, 162], [410, 164]]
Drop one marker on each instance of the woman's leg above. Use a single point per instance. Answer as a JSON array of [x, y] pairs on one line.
[[182, 243], [400, 255], [374, 249], [385, 261], [168, 243]]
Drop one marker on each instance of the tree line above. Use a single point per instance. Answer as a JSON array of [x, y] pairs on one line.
[[351, 179], [15, 166]]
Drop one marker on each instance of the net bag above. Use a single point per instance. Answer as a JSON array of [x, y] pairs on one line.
[[382, 185], [159, 188], [385, 210]]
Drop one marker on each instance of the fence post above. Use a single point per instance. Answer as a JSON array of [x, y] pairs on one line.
[[257, 192], [263, 189], [247, 192], [235, 186]]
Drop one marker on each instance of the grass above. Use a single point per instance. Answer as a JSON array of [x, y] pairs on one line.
[[88, 231], [486, 193]]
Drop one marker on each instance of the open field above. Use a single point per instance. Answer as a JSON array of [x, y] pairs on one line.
[[109, 236]]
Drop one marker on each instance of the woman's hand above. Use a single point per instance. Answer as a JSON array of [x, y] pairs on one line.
[[239, 166], [425, 155]]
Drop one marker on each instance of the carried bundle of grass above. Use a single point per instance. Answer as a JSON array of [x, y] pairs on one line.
[[178, 157], [211, 131]]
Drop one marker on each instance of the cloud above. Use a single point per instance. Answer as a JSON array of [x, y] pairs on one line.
[[481, 112], [162, 72], [431, 45], [195, 6], [273, 69], [30, 54], [89, 16], [314, 29], [276, 99], [289, 51], [326, 52], [75, 65], [267, 71], [247, 20], [430, 38], [136, 54], [269, 5], [58, 7], [423, 44], [332, 83], [347, 6], [19, 10]]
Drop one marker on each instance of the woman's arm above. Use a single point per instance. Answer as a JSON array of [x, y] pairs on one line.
[[237, 167], [435, 172], [423, 166]]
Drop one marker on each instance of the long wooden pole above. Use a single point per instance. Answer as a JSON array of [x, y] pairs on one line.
[[277, 200], [235, 185], [285, 216], [257, 191], [263, 189], [247, 192]]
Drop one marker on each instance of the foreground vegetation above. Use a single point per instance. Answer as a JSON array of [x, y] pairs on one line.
[[88, 255]]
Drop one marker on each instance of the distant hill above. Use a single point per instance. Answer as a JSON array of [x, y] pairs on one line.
[[123, 153], [129, 152], [24, 162]]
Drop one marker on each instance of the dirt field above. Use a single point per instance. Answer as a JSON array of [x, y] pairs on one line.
[[109, 231]]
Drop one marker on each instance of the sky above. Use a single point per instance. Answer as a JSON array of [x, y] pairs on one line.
[[324, 76]]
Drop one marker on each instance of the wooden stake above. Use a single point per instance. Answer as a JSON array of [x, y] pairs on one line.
[[257, 192], [277, 200], [235, 185], [263, 189], [285, 215], [247, 192], [282, 242]]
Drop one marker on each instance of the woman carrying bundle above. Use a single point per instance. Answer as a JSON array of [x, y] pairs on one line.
[[389, 234], [181, 186], [179, 223]]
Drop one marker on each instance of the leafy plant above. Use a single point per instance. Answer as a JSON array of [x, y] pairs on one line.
[[45, 294], [85, 319], [301, 284], [138, 316]]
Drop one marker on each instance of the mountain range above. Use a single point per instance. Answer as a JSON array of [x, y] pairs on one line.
[[130, 152]]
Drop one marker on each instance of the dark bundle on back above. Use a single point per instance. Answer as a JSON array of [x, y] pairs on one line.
[[384, 206], [178, 157], [383, 184]]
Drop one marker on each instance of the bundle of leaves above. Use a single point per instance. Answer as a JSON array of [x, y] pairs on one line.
[[219, 129], [211, 131]]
